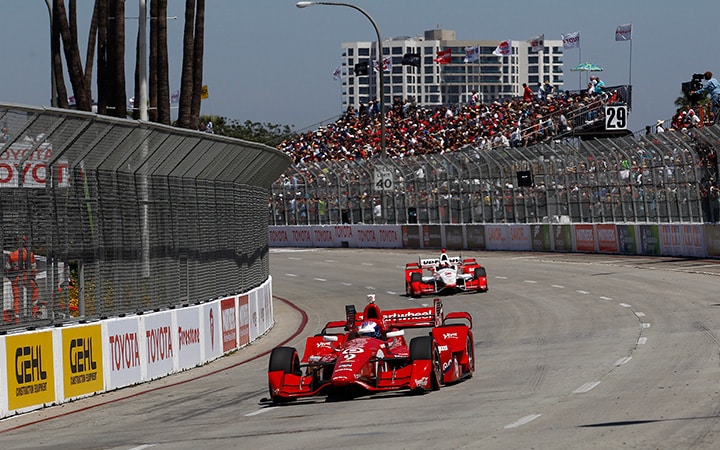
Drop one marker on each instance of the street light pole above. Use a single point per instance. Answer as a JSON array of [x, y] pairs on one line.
[[381, 84]]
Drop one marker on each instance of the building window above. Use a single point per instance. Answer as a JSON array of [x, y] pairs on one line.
[[364, 52]]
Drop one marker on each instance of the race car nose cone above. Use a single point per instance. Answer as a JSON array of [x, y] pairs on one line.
[[340, 380]]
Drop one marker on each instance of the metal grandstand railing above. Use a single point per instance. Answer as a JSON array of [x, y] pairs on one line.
[[126, 217], [665, 177]]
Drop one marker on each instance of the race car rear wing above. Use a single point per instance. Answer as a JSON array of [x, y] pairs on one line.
[[434, 262], [427, 316]]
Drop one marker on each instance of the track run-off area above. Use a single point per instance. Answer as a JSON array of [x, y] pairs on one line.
[[572, 351]]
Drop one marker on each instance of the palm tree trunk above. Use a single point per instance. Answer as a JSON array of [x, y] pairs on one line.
[[198, 62], [163, 79], [102, 55], [152, 63], [186, 77], [68, 32], [57, 64], [118, 57]]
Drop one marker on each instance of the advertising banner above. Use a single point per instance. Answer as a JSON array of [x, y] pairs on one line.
[[694, 240], [627, 243], [475, 236], [453, 236], [606, 238], [585, 238], [411, 236], [508, 237], [125, 352], [212, 331], [301, 236], [649, 239], [431, 236], [24, 164], [160, 342], [30, 370], [254, 311], [671, 239], [562, 238], [540, 235], [244, 320], [82, 358], [189, 352], [712, 239], [229, 324], [278, 236]]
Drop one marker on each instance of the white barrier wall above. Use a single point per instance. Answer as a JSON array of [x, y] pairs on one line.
[[378, 236], [56, 365], [692, 240]]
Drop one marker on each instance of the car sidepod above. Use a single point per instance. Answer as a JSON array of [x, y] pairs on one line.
[[456, 352]]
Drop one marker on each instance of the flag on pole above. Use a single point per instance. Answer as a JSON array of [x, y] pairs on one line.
[[571, 40], [361, 69], [624, 32], [336, 73], [471, 54], [444, 56], [387, 64], [537, 43], [504, 48], [411, 59]]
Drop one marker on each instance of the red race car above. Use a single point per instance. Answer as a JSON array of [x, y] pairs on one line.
[[367, 353], [444, 275]]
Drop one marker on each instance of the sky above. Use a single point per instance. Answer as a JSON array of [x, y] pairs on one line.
[[268, 61]]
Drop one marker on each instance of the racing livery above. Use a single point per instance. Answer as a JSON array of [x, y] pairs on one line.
[[444, 275], [367, 353]]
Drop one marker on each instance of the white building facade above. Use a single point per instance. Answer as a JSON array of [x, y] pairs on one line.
[[433, 84]]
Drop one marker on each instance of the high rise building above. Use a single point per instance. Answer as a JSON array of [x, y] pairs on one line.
[[431, 83]]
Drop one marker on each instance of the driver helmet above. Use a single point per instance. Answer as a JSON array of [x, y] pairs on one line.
[[369, 329]]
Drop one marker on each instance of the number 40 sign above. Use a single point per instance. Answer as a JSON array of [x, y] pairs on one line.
[[616, 118], [384, 180]]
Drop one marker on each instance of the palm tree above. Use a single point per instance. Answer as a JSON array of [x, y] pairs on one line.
[[192, 65], [67, 30], [198, 56], [159, 91]]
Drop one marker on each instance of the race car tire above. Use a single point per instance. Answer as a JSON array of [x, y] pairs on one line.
[[285, 359], [480, 272], [415, 277], [424, 348], [470, 349]]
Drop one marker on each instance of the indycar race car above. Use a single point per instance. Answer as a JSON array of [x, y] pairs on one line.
[[367, 353], [444, 275]]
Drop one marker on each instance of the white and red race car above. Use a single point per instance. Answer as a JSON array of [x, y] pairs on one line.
[[444, 275]]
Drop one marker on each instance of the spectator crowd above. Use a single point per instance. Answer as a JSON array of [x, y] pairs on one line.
[[412, 129]]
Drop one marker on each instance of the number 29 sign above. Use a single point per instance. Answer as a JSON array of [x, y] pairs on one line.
[[616, 118]]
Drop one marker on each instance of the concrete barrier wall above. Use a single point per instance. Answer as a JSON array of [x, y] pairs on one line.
[[682, 239], [55, 365]]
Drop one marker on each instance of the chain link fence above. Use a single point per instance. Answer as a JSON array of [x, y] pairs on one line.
[[662, 177], [105, 217]]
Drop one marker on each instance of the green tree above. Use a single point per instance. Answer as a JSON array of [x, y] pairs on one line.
[[264, 133]]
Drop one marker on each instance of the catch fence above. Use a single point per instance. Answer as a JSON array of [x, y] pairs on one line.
[[125, 217], [663, 177]]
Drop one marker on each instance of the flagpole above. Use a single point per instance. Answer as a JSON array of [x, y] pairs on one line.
[[579, 72], [630, 69]]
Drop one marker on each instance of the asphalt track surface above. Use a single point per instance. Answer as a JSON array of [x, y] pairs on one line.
[[572, 352]]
